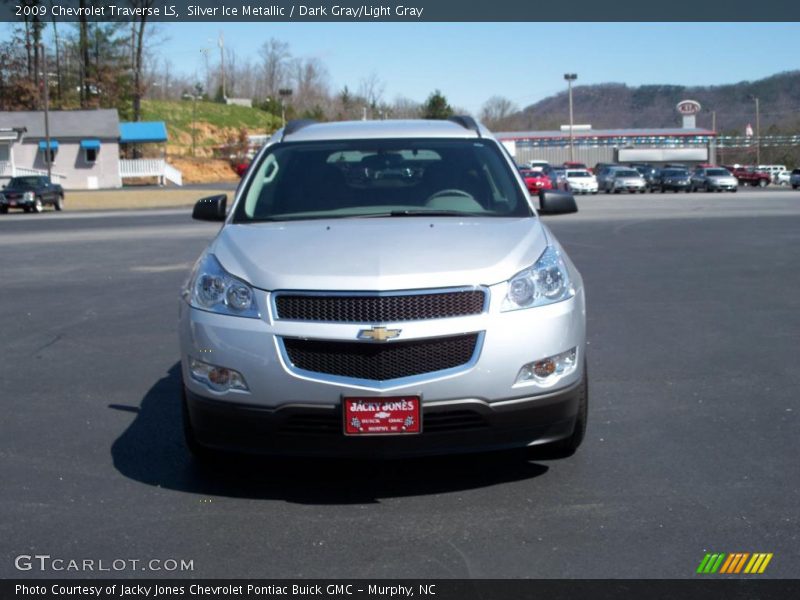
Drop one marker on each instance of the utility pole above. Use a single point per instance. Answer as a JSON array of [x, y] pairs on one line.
[[221, 43], [284, 93], [46, 93], [570, 77], [758, 134]]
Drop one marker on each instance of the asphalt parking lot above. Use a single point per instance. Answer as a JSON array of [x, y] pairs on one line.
[[692, 446]]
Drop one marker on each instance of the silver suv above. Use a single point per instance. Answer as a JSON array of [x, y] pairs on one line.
[[383, 288]]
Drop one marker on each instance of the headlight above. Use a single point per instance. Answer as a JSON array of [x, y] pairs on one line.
[[212, 288], [546, 282], [28, 196]]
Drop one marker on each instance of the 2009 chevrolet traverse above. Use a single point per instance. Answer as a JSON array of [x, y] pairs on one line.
[[383, 288]]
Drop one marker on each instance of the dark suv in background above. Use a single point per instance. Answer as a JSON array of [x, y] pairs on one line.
[[31, 193]]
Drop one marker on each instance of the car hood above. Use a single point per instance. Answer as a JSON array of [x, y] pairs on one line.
[[380, 253]]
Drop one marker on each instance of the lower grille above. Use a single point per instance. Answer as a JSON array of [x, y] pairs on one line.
[[381, 362], [330, 422]]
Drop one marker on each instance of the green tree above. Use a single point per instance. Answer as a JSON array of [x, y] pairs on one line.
[[436, 107]]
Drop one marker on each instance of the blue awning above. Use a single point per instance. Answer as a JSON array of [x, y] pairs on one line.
[[90, 144], [53, 144], [142, 132]]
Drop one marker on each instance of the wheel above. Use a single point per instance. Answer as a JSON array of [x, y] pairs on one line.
[[763, 183], [642, 191], [794, 187], [200, 453], [663, 190], [734, 190], [594, 193], [708, 188], [59, 204], [614, 190], [3, 210], [568, 446], [687, 190], [37, 205], [27, 209]]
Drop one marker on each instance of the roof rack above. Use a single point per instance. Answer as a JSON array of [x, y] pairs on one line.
[[295, 126], [466, 122]]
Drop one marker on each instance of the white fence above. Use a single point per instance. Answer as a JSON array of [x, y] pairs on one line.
[[149, 167], [9, 170]]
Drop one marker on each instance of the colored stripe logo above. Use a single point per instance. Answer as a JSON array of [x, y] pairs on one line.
[[734, 563]]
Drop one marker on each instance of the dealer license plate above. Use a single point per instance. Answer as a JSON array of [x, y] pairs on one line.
[[398, 415]]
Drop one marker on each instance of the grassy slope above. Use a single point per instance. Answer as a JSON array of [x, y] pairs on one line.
[[178, 116]]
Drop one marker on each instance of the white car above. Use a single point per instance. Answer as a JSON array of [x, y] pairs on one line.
[[783, 178], [581, 181], [383, 288]]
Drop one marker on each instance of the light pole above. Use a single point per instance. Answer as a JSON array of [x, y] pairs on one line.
[[46, 93], [284, 93], [570, 77], [758, 132]]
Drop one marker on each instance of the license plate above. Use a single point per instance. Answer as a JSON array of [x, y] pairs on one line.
[[400, 415]]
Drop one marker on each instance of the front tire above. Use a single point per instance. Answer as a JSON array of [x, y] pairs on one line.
[[200, 453], [37, 205], [763, 183], [59, 203], [569, 445]]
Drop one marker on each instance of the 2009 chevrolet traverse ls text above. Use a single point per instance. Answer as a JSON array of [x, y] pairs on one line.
[[383, 288]]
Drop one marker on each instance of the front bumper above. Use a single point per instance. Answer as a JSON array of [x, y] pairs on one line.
[[458, 426], [483, 390]]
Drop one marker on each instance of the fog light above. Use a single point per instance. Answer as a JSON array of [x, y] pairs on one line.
[[550, 369], [217, 378]]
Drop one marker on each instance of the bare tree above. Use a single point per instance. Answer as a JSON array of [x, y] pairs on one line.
[[371, 88], [275, 57], [496, 111]]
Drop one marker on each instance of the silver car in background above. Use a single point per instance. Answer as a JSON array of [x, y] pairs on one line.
[[383, 288], [625, 179], [713, 179]]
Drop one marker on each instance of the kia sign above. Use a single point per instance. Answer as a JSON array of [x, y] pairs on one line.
[[688, 107]]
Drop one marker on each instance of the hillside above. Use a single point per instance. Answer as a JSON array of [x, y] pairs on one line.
[[616, 105], [215, 124]]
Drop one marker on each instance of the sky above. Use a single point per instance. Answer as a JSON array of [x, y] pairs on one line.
[[525, 62]]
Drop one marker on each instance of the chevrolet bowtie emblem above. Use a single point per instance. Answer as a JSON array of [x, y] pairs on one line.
[[378, 334]]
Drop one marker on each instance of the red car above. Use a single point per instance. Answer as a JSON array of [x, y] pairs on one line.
[[536, 180], [241, 167]]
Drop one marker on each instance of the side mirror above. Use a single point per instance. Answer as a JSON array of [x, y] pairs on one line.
[[553, 202], [211, 208]]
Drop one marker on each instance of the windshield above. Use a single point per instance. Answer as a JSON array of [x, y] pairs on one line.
[[675, 173], [578, 174], [717, 173], [626, 173], [362, 178], [23, 182]]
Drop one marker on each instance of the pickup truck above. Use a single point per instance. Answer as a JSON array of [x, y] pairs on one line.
[[751, 176], [31, 193]]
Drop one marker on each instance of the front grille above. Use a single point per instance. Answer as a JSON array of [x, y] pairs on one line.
[[379, 309], [381, 362]]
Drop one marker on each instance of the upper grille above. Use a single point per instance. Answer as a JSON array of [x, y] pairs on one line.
[[380, 362], [379, 309]]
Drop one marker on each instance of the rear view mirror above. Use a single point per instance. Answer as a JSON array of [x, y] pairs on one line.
[[552, 202], [211, 208]]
